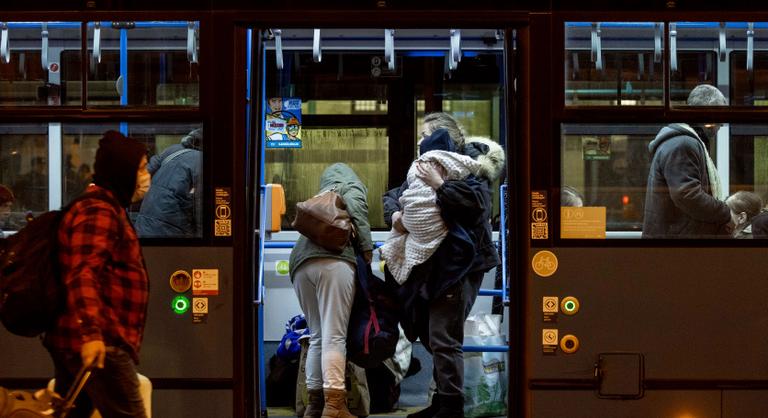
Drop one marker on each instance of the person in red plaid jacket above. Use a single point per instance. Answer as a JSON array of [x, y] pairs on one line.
[[107, 285]]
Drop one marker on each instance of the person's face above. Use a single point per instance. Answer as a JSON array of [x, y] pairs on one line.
[[5, 211], [143, 181]]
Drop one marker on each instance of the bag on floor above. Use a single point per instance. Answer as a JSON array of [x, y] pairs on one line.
[[485, 374], [358, 396]]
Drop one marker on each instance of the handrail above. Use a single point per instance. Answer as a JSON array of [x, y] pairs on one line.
[[191, 43], [262, 227], [5, 50], [673, 47], [278, 33], [503, 241], [44, 47], [389, 48], [317, 51]]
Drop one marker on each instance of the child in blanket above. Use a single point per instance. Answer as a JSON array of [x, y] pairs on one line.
[[424, 227]]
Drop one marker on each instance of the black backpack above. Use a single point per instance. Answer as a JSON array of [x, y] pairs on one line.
[[373, 332], [32, 294]]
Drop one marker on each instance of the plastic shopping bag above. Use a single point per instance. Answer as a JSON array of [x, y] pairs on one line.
[[485, 374]]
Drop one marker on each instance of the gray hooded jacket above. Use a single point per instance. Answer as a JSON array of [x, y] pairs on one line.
[[678, 199], [341, 177]]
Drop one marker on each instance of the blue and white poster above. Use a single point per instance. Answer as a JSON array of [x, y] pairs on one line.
[[282, 122]]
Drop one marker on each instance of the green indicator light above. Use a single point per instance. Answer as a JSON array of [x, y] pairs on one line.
[[180, 305], [569, 306]]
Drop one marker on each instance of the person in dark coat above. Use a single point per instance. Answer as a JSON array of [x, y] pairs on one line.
[[439, 293], [684, 196], [173, 206]]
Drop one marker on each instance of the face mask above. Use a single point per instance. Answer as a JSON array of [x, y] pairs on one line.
[[143, 181]]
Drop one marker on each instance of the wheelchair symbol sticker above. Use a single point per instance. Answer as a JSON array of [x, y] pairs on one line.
[[544, 263]]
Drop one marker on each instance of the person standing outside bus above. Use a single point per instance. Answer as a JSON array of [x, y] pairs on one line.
[[684, 196], [107, 286]]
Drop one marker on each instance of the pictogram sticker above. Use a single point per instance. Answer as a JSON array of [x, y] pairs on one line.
[[544, 263]]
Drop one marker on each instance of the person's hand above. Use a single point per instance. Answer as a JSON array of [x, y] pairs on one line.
[[430, 173], [368, 256], [93, 351], [397, 222], [729, 227]]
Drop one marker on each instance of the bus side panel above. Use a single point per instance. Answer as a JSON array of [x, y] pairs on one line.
[[694, 313], [584, 404]]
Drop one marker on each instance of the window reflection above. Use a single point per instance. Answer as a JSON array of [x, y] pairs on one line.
[[27, 150], [34, 76], [143, 64], [613, 64]]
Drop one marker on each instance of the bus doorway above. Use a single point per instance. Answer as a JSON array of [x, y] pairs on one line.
[[360, 97]]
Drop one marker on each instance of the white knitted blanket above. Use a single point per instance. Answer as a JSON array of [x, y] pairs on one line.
[[421, 216]]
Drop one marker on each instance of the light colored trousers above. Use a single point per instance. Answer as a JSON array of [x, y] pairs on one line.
[[326, 289]]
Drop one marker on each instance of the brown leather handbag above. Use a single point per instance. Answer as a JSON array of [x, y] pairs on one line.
[[324, 220]]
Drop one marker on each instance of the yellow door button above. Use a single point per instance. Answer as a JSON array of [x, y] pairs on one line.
[[569, 305], [569, 344]]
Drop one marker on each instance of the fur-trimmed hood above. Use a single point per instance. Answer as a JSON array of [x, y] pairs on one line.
[[488, 153]]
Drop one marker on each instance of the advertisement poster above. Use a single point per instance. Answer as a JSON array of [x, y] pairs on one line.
[[282, 122]]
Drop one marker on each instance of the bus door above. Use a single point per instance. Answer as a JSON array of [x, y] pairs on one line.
[[359, 96]]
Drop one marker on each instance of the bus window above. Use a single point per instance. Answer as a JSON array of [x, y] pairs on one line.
[[613, 64], [33, 76], [607, 167], [47, 165], [736, 49], [143, 64]]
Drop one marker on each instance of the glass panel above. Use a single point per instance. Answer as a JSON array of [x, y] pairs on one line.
[[736, 49], [366, 150], [606, 166], [344, 107], [749, 89], [351, 107], [610, 167], [23, 173], [143, 64], [613, 64], [32, 76], [29, 152]]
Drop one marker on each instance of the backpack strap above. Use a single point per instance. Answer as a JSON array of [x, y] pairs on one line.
[[174, 155]]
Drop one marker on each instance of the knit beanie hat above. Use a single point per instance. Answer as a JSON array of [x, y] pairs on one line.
[[439, 140], [116, 165]]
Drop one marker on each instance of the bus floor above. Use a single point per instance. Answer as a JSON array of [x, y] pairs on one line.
[[413, 389]]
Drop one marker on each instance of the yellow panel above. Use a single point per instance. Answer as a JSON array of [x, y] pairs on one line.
[[582, 222]]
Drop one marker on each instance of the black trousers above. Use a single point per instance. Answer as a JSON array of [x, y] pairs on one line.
[[113, 390], [444, 337]]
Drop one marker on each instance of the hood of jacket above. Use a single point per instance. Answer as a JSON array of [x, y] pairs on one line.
[[340, 176], [488, 153], [669, 132]]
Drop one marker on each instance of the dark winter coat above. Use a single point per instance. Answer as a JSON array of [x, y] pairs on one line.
[[466, 209], [678, 200], [172, 206]]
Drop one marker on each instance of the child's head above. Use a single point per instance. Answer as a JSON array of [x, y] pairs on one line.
[[744, 206], [439, 140]]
